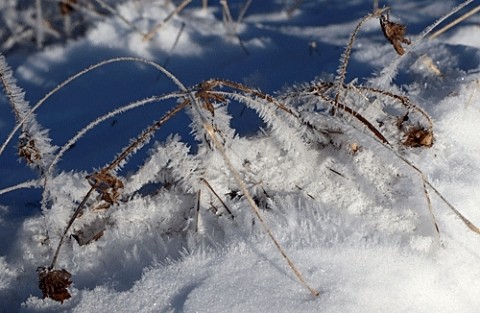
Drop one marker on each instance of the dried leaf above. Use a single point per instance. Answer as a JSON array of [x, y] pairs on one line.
[[395, 33], [54, 283], [419, 137], [107, 185]]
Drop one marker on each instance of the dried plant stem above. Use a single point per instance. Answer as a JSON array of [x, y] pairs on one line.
[[234, 85], [79, 74], [356, 115], [107, 7], [227, 15], [39, 21], [217, 196], [392, 67], [430, 208], [177, 10], [242, 13], [197, 209], [142, 139], [342, 70], [78, 210], [145, 136], [425, 181], [103, 118], [180, 32], [455, 22], [26, 184], [211, 132]]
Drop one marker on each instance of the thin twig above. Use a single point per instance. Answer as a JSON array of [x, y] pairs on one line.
[[145, 136], [218, 197], [211, 132], [243, 11], [177, 10], [342, 70], [180, 32], [78, 210], [455, 22], [430, 208], [26, 184], [105, 5]]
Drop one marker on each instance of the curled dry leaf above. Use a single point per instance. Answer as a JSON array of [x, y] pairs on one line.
[[395, 33], [54, 283], [418, 137]]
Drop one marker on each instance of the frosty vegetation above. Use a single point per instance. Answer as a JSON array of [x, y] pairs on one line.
[[327, 181]]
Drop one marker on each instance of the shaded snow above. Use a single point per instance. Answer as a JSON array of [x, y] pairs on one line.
[[357, 225]]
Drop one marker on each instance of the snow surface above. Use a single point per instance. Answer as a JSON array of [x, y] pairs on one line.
[[356, 224]]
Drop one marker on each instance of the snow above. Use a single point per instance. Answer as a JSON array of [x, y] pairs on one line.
[[351, 212]]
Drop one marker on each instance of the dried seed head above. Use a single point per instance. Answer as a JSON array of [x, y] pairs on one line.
[[28, 150], [395, 33], [54, 283]]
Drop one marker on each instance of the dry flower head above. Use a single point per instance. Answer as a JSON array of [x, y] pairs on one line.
[[54, 283]]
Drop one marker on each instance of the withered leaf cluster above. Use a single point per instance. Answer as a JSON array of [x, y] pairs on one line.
[[395, 33], [54, 283], [27, 150]]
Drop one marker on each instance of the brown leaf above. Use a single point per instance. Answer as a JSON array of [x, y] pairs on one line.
[[107, 185], [54, 283], [395, 33], [419, 137]]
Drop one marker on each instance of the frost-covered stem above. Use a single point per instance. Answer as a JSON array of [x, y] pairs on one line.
[[107, 7], [248, 90], [70, 222], [145, 136], [36, 137], [342, 70], [465, 220], [27, 184], [39, 22], [256, 210], [177, 10], [455, 22], [390, 70], [103, 118], [74, 77]]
